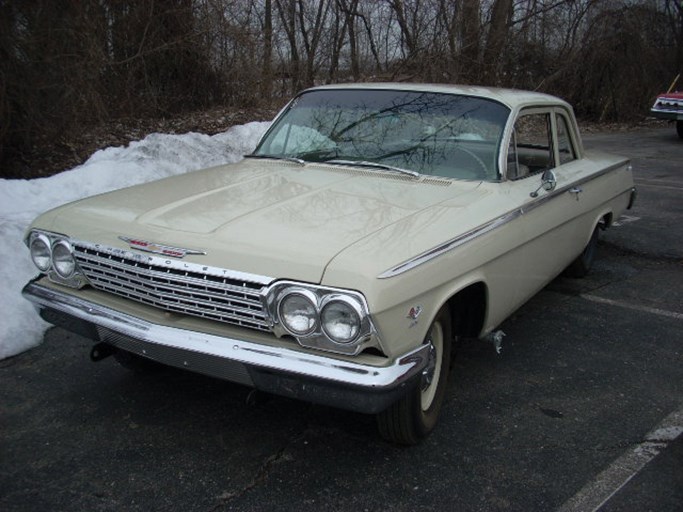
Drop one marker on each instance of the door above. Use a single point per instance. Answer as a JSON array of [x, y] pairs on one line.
[[551, 219]]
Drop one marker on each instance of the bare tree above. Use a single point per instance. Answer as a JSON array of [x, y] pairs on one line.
[[267, 78], [501, 14], [287, 12], [312, 28], [470, 30], [70, 65]]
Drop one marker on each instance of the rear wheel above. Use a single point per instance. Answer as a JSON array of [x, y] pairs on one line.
[[414, 416], [679, 128], [582, 265]]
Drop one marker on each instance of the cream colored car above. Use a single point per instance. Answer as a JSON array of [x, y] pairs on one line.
[[372, 227]]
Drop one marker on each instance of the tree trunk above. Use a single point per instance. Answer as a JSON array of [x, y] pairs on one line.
[[288, 17], [470, 34], [501, 14], [267, 72]]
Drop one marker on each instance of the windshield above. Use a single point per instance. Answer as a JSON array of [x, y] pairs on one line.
[[436, 134]]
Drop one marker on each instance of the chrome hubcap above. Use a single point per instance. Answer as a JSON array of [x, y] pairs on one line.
[[430, 375], [428, 372]]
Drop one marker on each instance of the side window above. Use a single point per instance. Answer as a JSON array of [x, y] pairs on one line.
[[564, 141], [533, 148]]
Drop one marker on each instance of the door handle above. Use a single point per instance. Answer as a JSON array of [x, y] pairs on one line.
[[576, 191]]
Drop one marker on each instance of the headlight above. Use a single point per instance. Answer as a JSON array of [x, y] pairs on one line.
[[321, 317], [53, 254], [40, 253], [341, 319], [63, 260], [298, 312]]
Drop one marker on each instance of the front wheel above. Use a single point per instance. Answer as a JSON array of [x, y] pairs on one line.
[[414, 416]]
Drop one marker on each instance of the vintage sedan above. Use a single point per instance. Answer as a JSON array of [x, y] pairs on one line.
[[373, 226]]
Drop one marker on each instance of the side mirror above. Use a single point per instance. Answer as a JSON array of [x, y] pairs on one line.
[[548, 183]]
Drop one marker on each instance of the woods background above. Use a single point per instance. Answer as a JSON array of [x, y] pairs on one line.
[[69, 66]]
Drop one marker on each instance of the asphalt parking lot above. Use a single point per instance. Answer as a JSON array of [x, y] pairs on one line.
[[580, 411]]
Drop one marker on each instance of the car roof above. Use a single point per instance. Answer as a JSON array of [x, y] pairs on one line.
[[512, 98]]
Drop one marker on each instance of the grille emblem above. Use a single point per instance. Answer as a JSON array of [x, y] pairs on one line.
[[144, 245]]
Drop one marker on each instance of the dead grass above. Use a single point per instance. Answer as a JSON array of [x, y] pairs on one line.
[[51, 156]]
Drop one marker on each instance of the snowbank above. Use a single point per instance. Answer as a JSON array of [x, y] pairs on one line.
[[154, 157]]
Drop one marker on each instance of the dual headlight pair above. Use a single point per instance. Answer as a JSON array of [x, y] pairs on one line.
[[319, 317], [53, 255]]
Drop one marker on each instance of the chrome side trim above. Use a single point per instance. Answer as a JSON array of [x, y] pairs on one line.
[[557, 192], [278, 359], [437, 251], [449, 245]]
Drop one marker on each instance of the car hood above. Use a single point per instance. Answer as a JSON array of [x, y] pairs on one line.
[[268, 218]]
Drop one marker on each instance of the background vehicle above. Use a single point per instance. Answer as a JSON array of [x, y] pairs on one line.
[[669, 105]]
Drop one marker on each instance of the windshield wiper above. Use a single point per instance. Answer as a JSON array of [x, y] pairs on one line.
[[374, 165], [276, 157]]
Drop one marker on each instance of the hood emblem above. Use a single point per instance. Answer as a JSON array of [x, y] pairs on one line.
[[165, 250]]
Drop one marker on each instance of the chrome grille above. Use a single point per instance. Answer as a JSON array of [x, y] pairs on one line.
[[190, 292]]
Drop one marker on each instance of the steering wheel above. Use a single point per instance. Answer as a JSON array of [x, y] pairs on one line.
[[474, 157]]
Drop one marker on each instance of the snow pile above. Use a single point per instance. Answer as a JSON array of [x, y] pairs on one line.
[[157, 156]]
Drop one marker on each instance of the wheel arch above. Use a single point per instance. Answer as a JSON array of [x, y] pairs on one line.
[[468, 308], [605, 220]]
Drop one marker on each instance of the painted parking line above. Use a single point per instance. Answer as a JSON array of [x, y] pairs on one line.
[[635, 307], [625, 219], [668, 184], [598, 492], [655, 185]]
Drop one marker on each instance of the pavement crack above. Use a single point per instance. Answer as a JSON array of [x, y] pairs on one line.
[[260, 477]]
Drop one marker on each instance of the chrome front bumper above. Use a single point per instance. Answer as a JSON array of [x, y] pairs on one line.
[[280, 370], [671, 115]]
